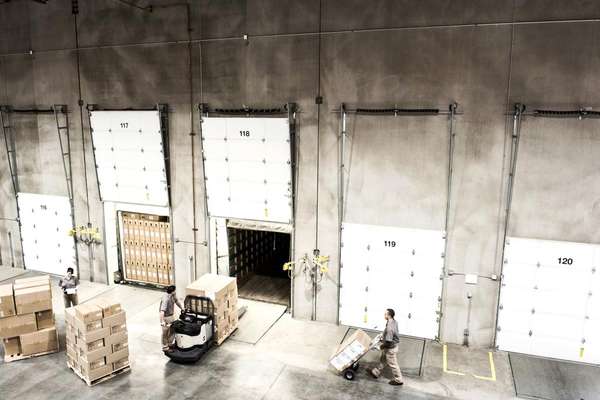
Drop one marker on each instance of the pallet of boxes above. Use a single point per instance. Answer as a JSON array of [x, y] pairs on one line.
[[222, 290], [97, 341], [27, 326]]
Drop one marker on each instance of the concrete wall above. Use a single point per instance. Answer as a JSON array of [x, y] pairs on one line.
[[132, 58]]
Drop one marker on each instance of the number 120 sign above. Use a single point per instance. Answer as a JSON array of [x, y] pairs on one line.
[[565, 261]]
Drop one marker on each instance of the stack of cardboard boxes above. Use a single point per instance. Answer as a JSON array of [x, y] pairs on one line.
[[222, 290], [147, 248], [27, 325], [97, 341]]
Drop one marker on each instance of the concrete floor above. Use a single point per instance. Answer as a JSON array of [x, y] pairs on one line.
[[287, 360]]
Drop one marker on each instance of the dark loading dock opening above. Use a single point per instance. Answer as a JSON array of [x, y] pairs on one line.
[[256, 259]]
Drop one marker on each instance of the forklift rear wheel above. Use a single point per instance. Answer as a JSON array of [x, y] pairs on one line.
[[355, 366], [349, 374]]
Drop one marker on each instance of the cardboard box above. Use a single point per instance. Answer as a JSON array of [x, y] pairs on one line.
[[45, 319], [39, 342], [119, 337], [350, 350], [120, 364], [88, 312], [212, 286], [108, 308], [119, 346], [118, 329], [12, 346], [114, 357], [117, 319], [96, 371], [91, 346], [94, 355], [70, 316], [33, 299], [89, 327], [37, 280], [7, 301], [72, 351], [17, 325], [72, 362], [88, 337], [71, 335]]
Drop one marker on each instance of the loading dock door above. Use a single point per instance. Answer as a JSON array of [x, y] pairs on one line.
[[247, 167], [550, 300], [130, 161], [387, 267], [45, 225]]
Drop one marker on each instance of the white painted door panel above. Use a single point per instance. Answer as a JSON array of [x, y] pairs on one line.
[[45, 225], [548, 299], [247, 167], [129, 156], [388, 267]]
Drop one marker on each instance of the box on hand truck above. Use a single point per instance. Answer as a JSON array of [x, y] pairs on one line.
[[346, 358]]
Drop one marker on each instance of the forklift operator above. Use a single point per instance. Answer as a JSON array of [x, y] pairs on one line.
[[167, 309]]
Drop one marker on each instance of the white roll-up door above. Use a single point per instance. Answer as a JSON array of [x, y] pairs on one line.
[[388, 267], [45, 225], [130, 160], [247, 167], [550, 300]]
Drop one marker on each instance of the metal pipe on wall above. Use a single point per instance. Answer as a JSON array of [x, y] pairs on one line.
[[291, 109], [80, 102], [192, 133], [315, 33], [519, 109], [341, 178], [450, 173]]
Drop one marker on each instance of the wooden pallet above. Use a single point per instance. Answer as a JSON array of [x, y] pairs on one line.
[[17, 357], [120, 371]]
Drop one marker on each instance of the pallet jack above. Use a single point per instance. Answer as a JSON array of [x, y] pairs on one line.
[[194, 330]]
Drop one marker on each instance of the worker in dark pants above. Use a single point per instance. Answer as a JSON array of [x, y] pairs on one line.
[[69, 284], [389, 350], [167, 309]]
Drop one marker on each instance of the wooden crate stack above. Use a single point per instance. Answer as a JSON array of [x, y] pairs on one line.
[[147, 249], [224, 294], [27, 325], [97, 341]]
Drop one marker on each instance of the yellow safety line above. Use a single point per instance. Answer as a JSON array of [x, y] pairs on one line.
[[492, 370], [445, 362]]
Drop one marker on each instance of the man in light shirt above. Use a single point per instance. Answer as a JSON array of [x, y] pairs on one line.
[[389, 350], [68, 284], [167, 309]]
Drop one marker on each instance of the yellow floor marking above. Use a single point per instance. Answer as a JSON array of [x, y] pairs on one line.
[[492, 370], [445, 362]]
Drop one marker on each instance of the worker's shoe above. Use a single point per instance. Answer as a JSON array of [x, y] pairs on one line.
[[375, 373], [395, 383]]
